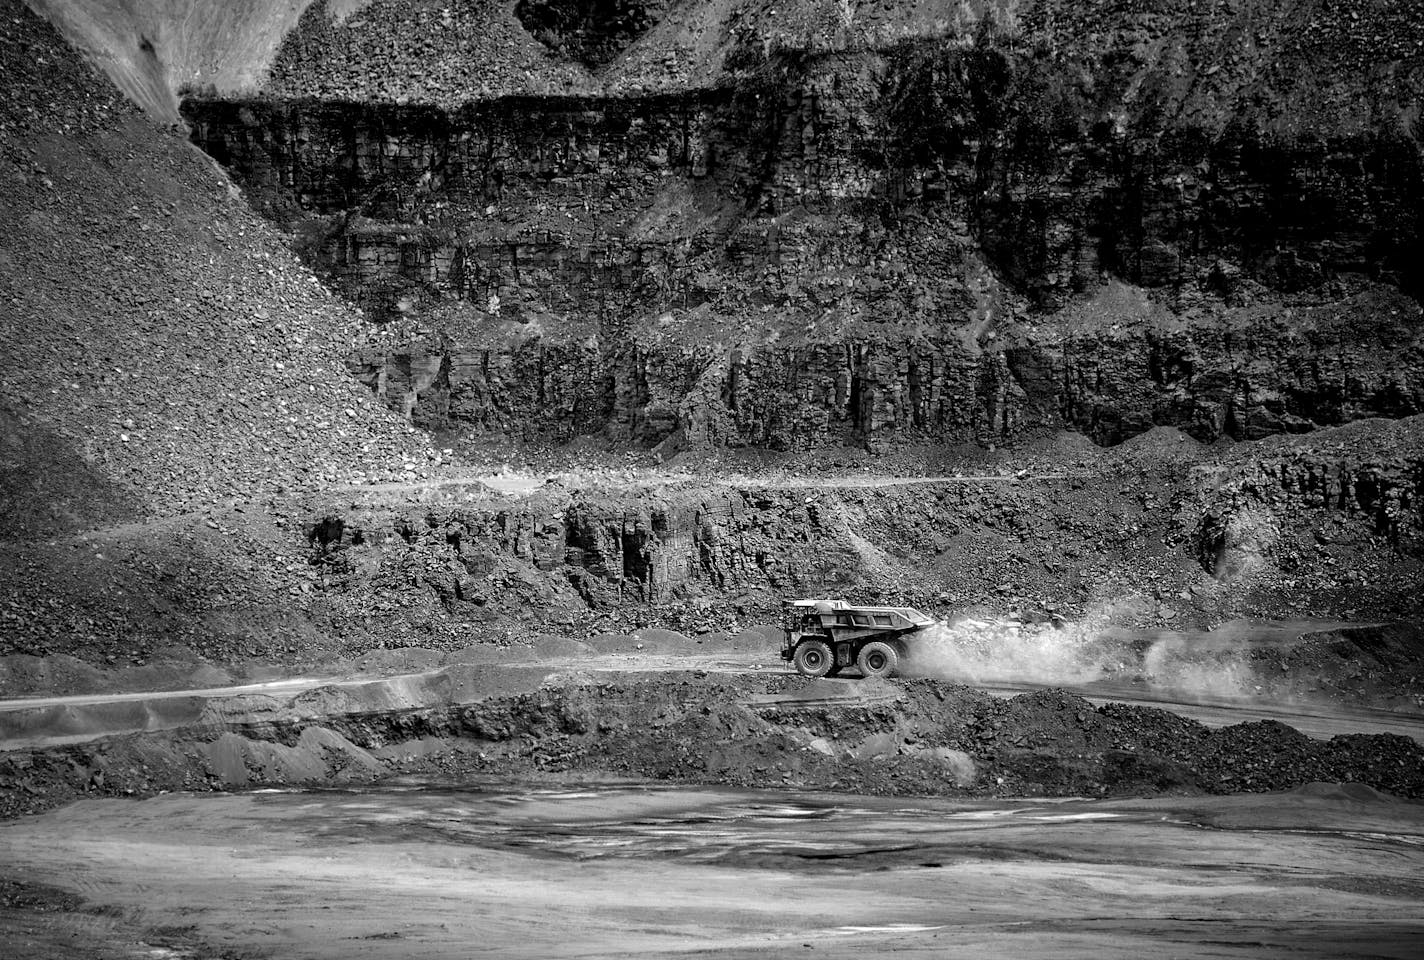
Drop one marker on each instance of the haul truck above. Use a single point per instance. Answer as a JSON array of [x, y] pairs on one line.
[[824, 636]]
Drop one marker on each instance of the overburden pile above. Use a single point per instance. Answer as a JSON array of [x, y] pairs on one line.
[[164, 358], [161, 350]]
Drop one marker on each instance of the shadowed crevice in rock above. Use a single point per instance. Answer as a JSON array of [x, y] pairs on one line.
[[592, 32]]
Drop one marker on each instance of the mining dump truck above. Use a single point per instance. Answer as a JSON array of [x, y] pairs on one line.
[[824, 636]]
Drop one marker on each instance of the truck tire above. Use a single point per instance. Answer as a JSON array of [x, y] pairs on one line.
[[877, 659], [813, 658]]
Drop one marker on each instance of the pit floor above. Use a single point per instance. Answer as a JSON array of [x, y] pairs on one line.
[[602, 869]]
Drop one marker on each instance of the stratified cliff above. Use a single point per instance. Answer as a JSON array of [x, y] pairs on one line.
[[1022, 217]]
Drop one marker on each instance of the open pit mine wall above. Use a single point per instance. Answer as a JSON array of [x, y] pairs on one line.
[[599, 551], [903, 245], [940, 542]]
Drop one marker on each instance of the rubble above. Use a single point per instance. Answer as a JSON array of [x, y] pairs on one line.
[[155, 330]]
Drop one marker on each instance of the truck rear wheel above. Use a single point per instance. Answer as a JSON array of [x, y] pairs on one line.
[[877, 659], [813, 658]]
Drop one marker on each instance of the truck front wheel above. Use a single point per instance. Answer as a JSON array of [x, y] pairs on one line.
[[813, 658], [877, 659]]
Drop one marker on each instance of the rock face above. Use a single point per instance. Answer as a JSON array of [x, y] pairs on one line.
[[1332, 522], [965, 240]]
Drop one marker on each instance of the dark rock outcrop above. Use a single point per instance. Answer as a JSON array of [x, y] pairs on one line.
[[942, 240]]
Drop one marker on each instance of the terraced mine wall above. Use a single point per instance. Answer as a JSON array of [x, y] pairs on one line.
[[933, 242]]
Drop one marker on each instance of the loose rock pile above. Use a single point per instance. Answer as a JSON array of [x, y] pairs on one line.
[[423, 51], [164, 361], [1200, 56], [152, 324]]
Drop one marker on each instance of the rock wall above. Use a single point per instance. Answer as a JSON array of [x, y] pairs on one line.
[[1234, 375], [1338, 526], [601, 552], [1251, 518], [919, 242]]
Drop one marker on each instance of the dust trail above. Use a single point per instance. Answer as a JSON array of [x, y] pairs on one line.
[[1183, 665], [1200, 666], [1004, 650]]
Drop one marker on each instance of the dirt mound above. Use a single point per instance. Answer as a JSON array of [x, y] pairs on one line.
[[612, 643], [173, 669], [925, 738], [164, 355], [419, 50], [1344, 792], [169, 339], [765, 639], [649, 640], [1194, 61], [548, 647], [654, 640]]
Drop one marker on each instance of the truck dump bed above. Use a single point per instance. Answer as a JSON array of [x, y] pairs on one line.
[[823, 636], [839, 613]]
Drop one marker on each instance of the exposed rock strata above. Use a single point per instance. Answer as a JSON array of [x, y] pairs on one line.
[[902, 244]]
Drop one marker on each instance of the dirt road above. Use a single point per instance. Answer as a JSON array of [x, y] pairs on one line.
[[41, 721], [1320, 720], [520, 484]]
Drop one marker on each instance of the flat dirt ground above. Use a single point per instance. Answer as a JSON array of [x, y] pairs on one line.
[[422, 869]]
